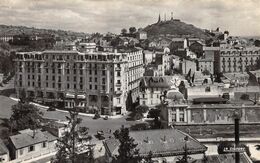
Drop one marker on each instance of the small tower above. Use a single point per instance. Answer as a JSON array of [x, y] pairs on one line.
[[165, 17], [171, 15], [159, 19]]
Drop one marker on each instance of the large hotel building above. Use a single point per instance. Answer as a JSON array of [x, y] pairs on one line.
[[99, 80], [236, 60]]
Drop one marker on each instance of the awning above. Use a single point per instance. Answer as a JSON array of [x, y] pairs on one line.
[[69, 95], [81, 96]]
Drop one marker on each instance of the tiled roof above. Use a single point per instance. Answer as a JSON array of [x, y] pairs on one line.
[[157, 81], [28, 138], [111, 146], [163, 142], [166, 141], [3, 148]]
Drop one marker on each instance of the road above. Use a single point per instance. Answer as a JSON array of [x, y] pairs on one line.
[[93, 125]]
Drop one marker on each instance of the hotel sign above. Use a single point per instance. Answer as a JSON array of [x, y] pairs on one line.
[[234, 149]]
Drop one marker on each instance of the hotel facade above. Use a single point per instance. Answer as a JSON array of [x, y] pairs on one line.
[[99, 81], [236, 60]]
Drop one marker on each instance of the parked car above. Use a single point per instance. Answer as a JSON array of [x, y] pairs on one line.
[[105, 118], [96, 116], [51, 109]]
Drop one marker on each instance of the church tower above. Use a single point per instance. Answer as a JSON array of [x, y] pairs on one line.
[[171, 15]]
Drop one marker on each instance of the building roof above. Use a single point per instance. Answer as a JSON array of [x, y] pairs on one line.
[[209, 100], [156, 81], [111, 146], [27, 138], [3, 148], [163, 142], [174, 94], [224, 158]]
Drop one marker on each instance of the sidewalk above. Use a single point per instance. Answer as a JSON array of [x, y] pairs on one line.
[[82, 114]]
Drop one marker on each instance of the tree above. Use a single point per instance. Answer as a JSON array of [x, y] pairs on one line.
[[25, 116], [127, 148], [129, 102], [155, 113], [132, 30], [123, 31], [183, 89], [148, 159], [74, 145]]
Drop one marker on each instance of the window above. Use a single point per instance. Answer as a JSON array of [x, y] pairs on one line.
[[21, 151], [90, 86], [95, 87], [81, 72], [68, 78], [47, 77], [74, 71], [95, 79], [28, 83], [90, 72], [118, 73], [103, 72], [95, 72], [90, 79], [103, 87], [81, 86], [53, 85], [103, 81], [31, 148], [53, 78], [68, 86], [47, 84], [47, 70], [53, 70], [207, 89], [59, 71], [28, 76], [75, 78], [181, 112], [75, 86]]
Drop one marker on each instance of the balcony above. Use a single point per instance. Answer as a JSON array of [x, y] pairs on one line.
[[118, 92], [118, 68]]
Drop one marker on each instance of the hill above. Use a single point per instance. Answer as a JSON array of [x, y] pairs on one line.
[[175, 27], [17, 30]]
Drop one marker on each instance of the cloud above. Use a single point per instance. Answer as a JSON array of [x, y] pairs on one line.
[[240, 17]]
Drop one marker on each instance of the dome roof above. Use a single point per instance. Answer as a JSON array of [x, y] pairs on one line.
[[174, 94]]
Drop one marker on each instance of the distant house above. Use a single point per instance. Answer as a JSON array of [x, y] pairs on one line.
[[4, 152], [152, 88], [142, 35], [152, 44], [165, 144], [164, 43], [30, 144]]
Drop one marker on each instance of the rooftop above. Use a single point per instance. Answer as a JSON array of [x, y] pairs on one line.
[[28, 137], [3, 148], [157, 81], [168, 142]]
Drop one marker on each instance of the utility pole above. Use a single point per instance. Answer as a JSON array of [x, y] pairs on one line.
[[236, 119]]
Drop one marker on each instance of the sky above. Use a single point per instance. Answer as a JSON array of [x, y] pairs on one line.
[[239, 17]]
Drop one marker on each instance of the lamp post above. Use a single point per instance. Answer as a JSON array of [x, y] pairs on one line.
[[237, 117]]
